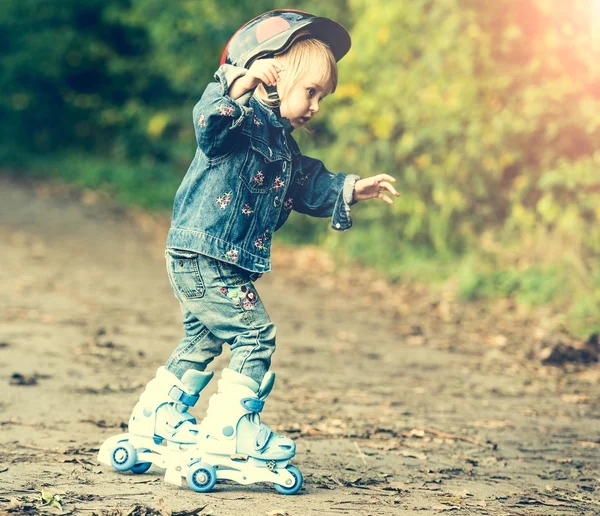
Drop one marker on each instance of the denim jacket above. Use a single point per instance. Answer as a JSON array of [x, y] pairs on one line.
[[246, 177]]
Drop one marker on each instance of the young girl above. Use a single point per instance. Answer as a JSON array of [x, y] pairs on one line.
[[248, 174]]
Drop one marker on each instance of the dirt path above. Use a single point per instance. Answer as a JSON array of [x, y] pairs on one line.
[[386, 420]]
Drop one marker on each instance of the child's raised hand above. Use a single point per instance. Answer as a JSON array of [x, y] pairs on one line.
[[372, 187], [265, 71]]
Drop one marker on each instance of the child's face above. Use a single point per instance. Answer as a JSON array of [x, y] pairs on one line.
[[302, 101]]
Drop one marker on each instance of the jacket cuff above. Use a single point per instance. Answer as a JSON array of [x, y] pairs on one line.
[[341, 220]]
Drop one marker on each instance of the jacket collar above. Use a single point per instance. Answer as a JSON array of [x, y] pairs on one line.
[[263, 122]]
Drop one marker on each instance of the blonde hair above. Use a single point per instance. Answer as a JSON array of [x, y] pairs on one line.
[[305, 57]]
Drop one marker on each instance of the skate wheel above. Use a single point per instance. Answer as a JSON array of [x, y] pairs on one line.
[[201, 477], [141, 467], [123, 457], [295, 487]]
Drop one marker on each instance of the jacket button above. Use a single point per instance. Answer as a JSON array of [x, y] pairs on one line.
[[284, 165], [277, 202], [267, 234]]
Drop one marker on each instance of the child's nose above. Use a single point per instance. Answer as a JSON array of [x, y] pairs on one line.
[[315, 107]]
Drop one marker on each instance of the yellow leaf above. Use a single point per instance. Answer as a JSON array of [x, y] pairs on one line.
[[423, 161], [408, 141], [439, 196], [383, 35], [348, 90], [157, 124], [383, 126]]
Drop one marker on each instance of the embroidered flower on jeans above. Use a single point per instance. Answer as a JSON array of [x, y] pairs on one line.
[[289, 203], [225, 110], [232, 255], [278, 183], [258, 243], [251, 297], [224, 200], [257, 122], [246, 210], [202, 121], [259, 178]]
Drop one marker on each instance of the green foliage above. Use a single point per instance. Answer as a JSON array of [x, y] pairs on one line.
[[488, 115], [532, 286]]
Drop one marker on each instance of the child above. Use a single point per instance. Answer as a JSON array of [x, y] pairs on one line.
[[246, 177]]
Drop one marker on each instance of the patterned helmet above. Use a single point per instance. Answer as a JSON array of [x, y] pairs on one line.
[[273, 32]]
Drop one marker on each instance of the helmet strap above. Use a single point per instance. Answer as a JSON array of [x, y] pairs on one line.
[[273, 97], [275, 101]]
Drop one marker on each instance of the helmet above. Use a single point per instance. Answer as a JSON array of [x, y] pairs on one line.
[[274, 31]]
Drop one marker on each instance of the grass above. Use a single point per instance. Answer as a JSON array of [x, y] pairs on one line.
[[151, 187]]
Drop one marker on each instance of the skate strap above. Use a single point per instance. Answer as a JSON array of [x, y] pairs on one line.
[[262, 437], [181, 396], [253, 405], [187, 418]]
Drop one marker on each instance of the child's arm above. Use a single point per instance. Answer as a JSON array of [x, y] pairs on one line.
[[218, 116], [224, 104], [321, 193]]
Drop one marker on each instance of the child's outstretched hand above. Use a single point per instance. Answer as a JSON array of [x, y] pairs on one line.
[[372, 187]]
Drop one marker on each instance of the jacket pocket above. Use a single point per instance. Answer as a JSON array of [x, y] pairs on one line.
[[256, 173], [184, 273]]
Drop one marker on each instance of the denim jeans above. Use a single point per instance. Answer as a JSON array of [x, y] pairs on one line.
[[219, 304]]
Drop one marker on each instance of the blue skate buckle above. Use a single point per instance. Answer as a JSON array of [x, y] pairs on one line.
[[262, 437], [181, 396], [253, 404]]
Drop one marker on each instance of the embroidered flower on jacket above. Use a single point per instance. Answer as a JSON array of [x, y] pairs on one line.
[[232, 255], [246, 210], [202, 121], [302, 179], [223, 290], [259, 178], [258, 243], [225, 110], [278, 183], [289, 203], [224, 200], [257, 122]]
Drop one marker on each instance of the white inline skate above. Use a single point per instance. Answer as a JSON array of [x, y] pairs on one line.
[[161, 431], [233, 444]]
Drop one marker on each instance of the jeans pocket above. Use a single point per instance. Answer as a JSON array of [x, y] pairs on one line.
[[232, 275], [184, 273]]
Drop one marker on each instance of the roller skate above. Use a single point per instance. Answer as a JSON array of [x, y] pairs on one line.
[[233, 444], [161, 431]]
